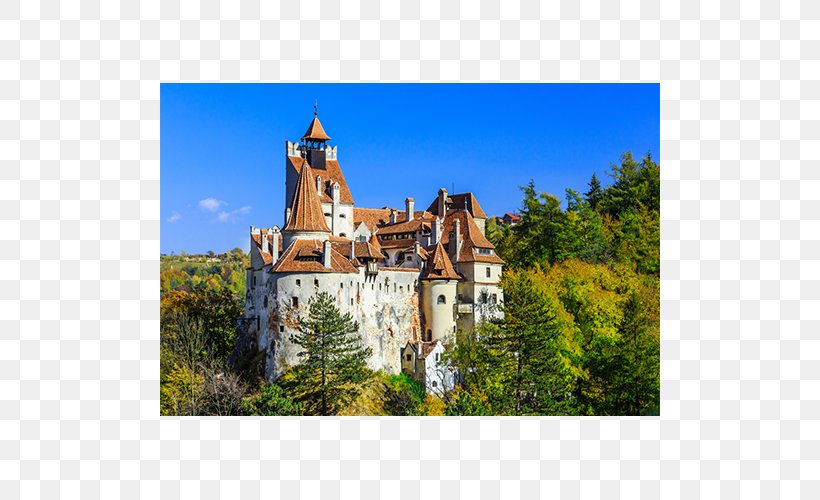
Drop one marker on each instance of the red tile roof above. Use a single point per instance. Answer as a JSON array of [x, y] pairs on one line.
[[439, 266], [306, 256], [315, 131], [364, 250], [331, 174], [380, 217], [412, 226], [458, 202], [393, 244], [306, 211], [257, 239], [472, 237]]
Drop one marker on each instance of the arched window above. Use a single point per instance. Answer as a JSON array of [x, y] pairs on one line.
[[441, 299]]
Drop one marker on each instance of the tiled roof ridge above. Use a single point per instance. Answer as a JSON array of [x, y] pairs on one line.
[[306, 211]]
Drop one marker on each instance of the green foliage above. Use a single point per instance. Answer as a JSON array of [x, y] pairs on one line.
[[181, 391], [191, 273], [576, 339], [618, 224], [333, 363], [402, 395], [271, 400]]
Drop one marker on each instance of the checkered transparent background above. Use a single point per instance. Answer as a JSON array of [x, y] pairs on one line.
[[79, 246]]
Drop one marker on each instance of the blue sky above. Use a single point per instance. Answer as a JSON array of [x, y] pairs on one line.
[[222, 146]]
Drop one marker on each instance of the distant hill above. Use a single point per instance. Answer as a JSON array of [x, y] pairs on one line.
[[192, 272]]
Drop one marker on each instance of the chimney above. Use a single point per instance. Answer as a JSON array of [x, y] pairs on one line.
[[319, 185], [435, 232], [264, 237], [287, 215], [442, 202], [326, 255], [457, 237], [417, 250], [352, 249], [336, 191], [409, 206], [275, 250], [392, 215]]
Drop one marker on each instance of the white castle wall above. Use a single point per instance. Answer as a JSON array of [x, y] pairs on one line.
[[385, 306]]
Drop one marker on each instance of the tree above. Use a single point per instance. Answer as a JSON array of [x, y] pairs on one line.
[[593, 196], [271, 400], [537, 234], [333, 363]]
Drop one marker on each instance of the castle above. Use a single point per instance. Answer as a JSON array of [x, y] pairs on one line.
[[410, 278]]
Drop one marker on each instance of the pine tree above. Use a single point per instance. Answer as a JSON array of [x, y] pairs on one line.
[[333, 363], [593, 196]]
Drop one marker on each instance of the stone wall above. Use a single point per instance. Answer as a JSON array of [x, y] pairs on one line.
[[386, 307]]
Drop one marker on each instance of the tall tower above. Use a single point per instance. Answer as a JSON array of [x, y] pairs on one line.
[[438, 295], [314, 142]]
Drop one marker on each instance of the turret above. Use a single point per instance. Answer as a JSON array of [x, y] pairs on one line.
[[409, 207]]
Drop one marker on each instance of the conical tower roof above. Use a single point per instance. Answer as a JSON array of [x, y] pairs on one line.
[[315, 131], [306, 211], [439, 266]]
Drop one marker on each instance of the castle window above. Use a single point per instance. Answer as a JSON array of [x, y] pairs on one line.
[[409, 357], [343, 235], [281, 328], [343, 216], [401, 288], [298, 282], [435, 384], [394, 288], [265, 301], [488, 272], [316, 283], [438, 356], [441, 299], [257, 322], [254, 281], [351, 301], [409, 259], [341, 285], [294, 301], [327, 214], [429, 335]]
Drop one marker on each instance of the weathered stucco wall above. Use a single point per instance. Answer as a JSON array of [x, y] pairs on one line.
[[439, 318], [385, 307]]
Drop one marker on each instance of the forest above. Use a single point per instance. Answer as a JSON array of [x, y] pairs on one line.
[[580, 334]]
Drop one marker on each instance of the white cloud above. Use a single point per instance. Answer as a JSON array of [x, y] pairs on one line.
[[211, 204], [175, 216], [232, 215]]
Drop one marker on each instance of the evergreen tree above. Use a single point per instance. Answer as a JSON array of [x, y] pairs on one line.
[[333, 363], [593, 196]]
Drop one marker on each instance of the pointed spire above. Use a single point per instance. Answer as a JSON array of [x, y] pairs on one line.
[[315, 131], [306, 211], [439, 266]]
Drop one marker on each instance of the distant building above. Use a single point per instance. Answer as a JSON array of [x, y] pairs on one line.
[[510, 219], [410, 278]]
